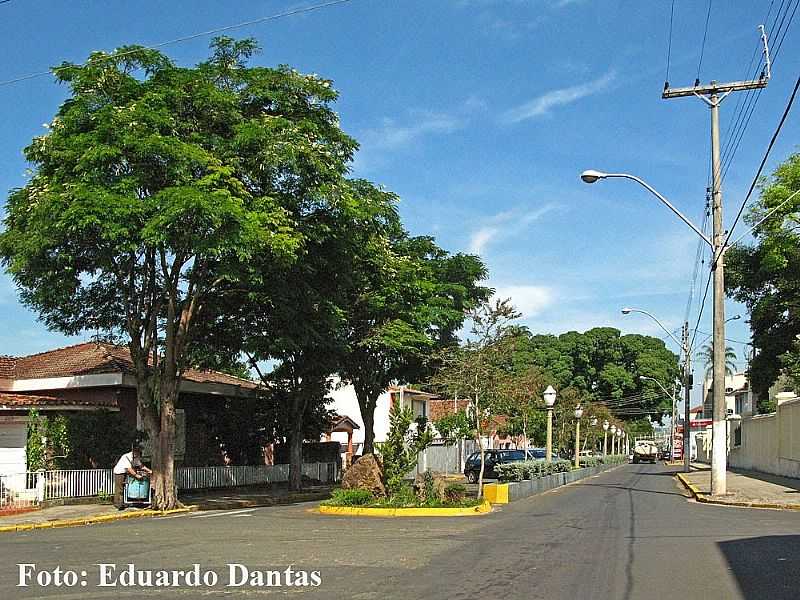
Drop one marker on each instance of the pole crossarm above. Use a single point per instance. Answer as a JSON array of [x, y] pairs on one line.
[[666, 202], [714, 88]]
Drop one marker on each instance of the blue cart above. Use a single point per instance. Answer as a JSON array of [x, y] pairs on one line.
[[137, 491]]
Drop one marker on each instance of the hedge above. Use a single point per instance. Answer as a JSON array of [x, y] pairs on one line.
[[533, 469]]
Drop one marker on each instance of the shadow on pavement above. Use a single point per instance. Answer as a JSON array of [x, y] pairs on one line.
[[765, 566]]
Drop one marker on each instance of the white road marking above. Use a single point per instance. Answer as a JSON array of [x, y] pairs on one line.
[[225, 513]]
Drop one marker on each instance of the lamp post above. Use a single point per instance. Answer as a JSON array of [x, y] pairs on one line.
[[674, 402], [613, 437], [578, 415], [719, 432], [619, 441], [549, 400], [593, 423], [605, 437]]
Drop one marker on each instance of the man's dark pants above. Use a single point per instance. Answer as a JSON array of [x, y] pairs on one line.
[[119, 484]]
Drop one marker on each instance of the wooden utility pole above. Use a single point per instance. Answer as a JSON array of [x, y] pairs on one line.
[[713, 95]]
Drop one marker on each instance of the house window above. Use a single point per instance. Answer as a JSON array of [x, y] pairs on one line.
[[419, 408]]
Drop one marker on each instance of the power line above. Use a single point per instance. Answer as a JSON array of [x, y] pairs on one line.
[[703, 44], [763, 162], [275, 17], [669, 42]]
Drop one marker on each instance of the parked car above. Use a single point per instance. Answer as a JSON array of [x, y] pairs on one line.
[[491, 458]]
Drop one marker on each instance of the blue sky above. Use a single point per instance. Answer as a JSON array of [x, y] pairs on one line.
[[480, 114]]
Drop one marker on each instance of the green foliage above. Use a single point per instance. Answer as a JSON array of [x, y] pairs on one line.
[[454, 426], [354, 497], [455, 492], [48, 441], [402, 446], [765, 277], [603, 365], [530, 469], [589, 461], [706, 356], [97, 439]]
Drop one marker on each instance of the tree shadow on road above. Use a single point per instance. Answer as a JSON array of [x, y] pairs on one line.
[[765, 566]]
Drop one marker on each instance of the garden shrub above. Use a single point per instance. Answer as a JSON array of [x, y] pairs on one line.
[[352, 497], [455, 492], [530, 469], [589, 461]]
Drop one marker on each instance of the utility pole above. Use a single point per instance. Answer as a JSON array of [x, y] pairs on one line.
[[713, 95], [687, 389]]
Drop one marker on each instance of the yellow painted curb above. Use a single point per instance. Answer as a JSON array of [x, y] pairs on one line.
[[91, 520], [357, 511], [496, 493], [706, 499]]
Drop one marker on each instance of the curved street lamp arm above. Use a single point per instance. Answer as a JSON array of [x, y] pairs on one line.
[[667, 331], [653, 191]]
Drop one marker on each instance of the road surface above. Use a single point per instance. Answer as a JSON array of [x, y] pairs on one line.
[[626, 533]]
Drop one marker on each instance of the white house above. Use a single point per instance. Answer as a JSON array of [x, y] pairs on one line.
[[345, 403]]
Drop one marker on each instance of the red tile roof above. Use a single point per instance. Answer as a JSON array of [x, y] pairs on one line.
[[92, 358], [7, 367], [438, 408], [18, 400]]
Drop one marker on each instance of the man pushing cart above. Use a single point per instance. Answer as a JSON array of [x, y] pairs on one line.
[[131, 479]]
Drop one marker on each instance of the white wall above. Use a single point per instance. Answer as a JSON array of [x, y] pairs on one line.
[[345, 403], [13, 438], [771, 443]]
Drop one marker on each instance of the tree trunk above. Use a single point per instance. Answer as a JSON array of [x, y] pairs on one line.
[[368, 416], [296, 459], [166, 497]]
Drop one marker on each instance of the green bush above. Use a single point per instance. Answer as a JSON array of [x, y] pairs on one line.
[[590, 461], [613, 459], [355, 497], [403, 496], [530, 469], [455, 492]]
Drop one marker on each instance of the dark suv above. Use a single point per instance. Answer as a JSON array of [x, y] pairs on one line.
[[492, 458]]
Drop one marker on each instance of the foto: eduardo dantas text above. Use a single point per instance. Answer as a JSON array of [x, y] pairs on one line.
[[128, 575]]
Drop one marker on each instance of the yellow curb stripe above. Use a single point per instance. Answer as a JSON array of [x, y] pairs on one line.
[[358, 511], [91, 520]]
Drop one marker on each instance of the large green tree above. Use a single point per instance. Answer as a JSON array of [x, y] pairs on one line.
[[605, 367], [765, 276], [408, 300], [152, 187]]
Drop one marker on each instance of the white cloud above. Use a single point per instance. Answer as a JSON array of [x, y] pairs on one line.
[[392, 135], [543, 104], [530, 300], [504, 225]]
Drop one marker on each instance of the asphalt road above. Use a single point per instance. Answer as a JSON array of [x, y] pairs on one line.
[[626, 533]]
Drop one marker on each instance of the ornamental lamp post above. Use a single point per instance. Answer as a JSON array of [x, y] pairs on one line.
[[605, 437], [549, 400], [578, 415], [593, 423], [613, 437]]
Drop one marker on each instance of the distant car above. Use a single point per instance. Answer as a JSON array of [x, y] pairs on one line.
[[536, 454], [492, 458]]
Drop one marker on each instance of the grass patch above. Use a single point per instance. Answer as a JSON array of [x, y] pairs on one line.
[[404, 498]]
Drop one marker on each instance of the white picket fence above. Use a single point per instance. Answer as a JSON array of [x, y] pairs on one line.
[[27, 489]]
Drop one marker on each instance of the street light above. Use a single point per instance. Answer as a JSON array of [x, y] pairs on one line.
[[719, 431], [674, 403], [549, 400], [605, 437], [578, 415], [613, 437]]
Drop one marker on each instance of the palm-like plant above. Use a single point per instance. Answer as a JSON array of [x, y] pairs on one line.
[[706, 354]]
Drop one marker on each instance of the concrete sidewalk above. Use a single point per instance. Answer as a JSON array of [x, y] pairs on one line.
[[215, 499], [745, 488]]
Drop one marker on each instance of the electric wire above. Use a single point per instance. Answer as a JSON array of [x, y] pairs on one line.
[[186, 38], [703, 44], [763, 162], [669, 42]]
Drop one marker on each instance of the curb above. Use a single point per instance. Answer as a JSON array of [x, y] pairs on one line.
[[355, 511], [92, 520], [706, 499]]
